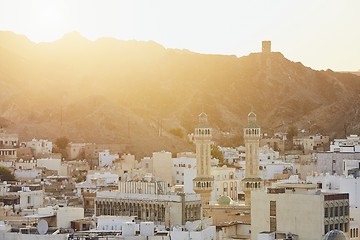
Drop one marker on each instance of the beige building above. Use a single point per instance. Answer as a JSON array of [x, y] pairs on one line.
[[162, 167], [164, 209], [308, 214], [275, 143], [226, 182], [8, 139]]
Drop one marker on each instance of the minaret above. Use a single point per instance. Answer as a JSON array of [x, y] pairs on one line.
[[203, 182], [252, 181]]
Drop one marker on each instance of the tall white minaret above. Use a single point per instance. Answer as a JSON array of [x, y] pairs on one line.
[[203, 182], [252, 180]]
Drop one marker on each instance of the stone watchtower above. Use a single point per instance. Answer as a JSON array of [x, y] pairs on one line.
[[252, 181], [203, 182], [266, 46]]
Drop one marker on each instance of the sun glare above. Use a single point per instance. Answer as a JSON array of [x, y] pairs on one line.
[[46, 21]]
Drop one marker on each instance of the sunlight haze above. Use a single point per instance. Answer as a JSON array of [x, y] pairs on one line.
[[320, 34]]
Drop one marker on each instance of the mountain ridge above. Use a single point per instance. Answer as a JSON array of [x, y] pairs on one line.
[[129, 91]]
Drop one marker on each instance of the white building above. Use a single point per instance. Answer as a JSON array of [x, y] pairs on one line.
[[107, 159], [333, 183], [22, 196], [125, 228], [97, 181], [39, 147], [350, 144], [49, 163], [180, 166], [333, 162]]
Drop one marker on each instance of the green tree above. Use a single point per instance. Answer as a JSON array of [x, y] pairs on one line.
[[292, 132], [62, 142], [177, 132], [216, 153], [6, 174]]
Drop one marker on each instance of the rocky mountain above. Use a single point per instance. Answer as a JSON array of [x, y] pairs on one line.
[[147, 96]]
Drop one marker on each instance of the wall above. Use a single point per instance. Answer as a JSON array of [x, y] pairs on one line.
[[301, 214], [65, 215], [50, 163], [162, 166]]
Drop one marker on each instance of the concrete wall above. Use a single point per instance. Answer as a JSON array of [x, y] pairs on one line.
[[301, 214], [50, 163], [162, 166], [65, 215]]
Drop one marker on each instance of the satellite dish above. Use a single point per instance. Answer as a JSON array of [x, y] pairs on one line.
[[42, 227]]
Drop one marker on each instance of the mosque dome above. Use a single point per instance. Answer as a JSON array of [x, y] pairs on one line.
[[335, 235], [224, 200]]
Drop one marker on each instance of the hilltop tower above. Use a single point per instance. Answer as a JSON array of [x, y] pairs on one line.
[[252, 181], [266, 46], [203, 182]]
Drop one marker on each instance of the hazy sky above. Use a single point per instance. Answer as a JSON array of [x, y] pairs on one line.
[[320, 33]]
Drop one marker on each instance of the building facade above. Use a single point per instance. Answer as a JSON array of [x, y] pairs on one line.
[[308, 214]]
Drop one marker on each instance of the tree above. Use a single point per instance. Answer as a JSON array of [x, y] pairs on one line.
[[292, 132], [177, 132], [216, 153], [6, 174], [62, 142]]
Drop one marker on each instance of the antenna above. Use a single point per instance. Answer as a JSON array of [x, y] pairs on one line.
[[42, 227], [61, 116]]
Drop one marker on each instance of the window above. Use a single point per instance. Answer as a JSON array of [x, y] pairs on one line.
[[336, 211], [326, 228], [29, 199], [331, 212], [273, 208], [341, 211], [272, 224], [326, 214]]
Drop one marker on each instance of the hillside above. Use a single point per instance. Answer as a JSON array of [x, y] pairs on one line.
[[125, 91]]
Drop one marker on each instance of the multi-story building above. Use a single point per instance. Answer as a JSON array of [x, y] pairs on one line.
[[350, 144], [98, 182], [107, 159], [21, 197], [227, 182], [311, 143], [180, 166], [8, 139], [164, 209], [40, 147], [334, 162], [308, 214]]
